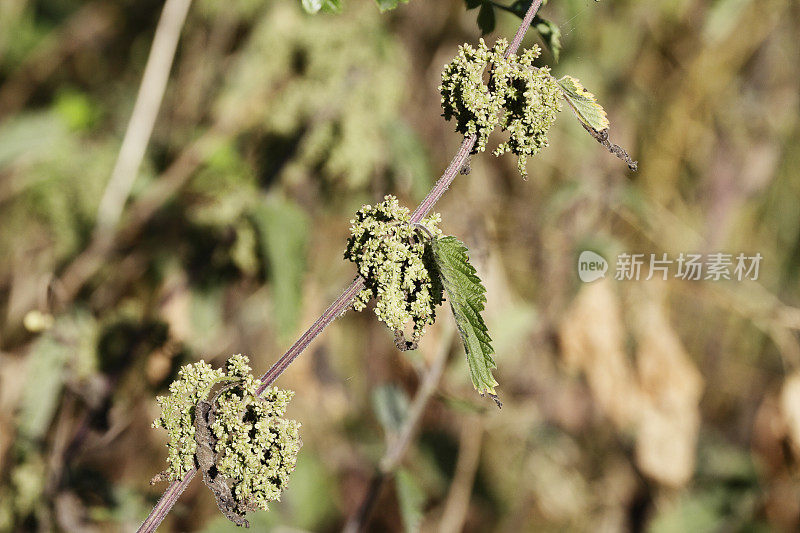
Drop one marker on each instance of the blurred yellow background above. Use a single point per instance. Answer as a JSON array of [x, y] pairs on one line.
[[664, 406]]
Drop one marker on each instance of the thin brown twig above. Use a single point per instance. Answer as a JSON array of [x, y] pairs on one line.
[[458, 497], [145, 112], [343, 302], [397, 450], [134, 144], [395, 453]]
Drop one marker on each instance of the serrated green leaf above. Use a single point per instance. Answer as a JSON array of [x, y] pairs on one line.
[[411, 498], [283, 230], [551, 35], [583, 103], [472, 4], [386, 5], [486, 19], [467, 297]]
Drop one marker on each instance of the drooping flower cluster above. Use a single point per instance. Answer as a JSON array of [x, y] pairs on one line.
[[531, 100], [466, 97], [520, 98], [253, 448], [392, 256]]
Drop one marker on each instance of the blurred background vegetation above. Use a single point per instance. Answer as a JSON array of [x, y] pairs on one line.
[[664, 406]]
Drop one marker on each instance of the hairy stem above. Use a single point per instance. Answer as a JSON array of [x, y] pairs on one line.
[[336, 309], [343, 302], [168, 499], [526, 22]]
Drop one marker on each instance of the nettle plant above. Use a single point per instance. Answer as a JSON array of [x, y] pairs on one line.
[[229, 425]]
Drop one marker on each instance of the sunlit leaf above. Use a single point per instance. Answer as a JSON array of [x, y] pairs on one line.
[[77, 110], [312, 6], [315, 6], [332, 6], [583, 103]]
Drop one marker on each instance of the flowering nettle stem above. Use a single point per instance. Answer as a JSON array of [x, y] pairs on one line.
[[345, 300], [468, 144]]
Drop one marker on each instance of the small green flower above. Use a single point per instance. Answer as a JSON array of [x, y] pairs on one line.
[[531, 100], [177, 414], [253, 448], [520, 98], [466, 97], [394, 259]]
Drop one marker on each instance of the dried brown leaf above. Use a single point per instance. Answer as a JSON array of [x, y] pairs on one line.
[[671, 385], [593, 342]]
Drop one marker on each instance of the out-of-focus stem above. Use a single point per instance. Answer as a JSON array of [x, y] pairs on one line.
[[398, 447], [145, 111]]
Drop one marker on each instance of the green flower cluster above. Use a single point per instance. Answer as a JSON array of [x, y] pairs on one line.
[[466, 97], [395, 260], [177, 414], [520, 98], [254, 447]]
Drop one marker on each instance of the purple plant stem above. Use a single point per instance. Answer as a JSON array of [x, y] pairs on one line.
[[526, 22], [336, 309], [447, 178], [343, 302], [168, 499]]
